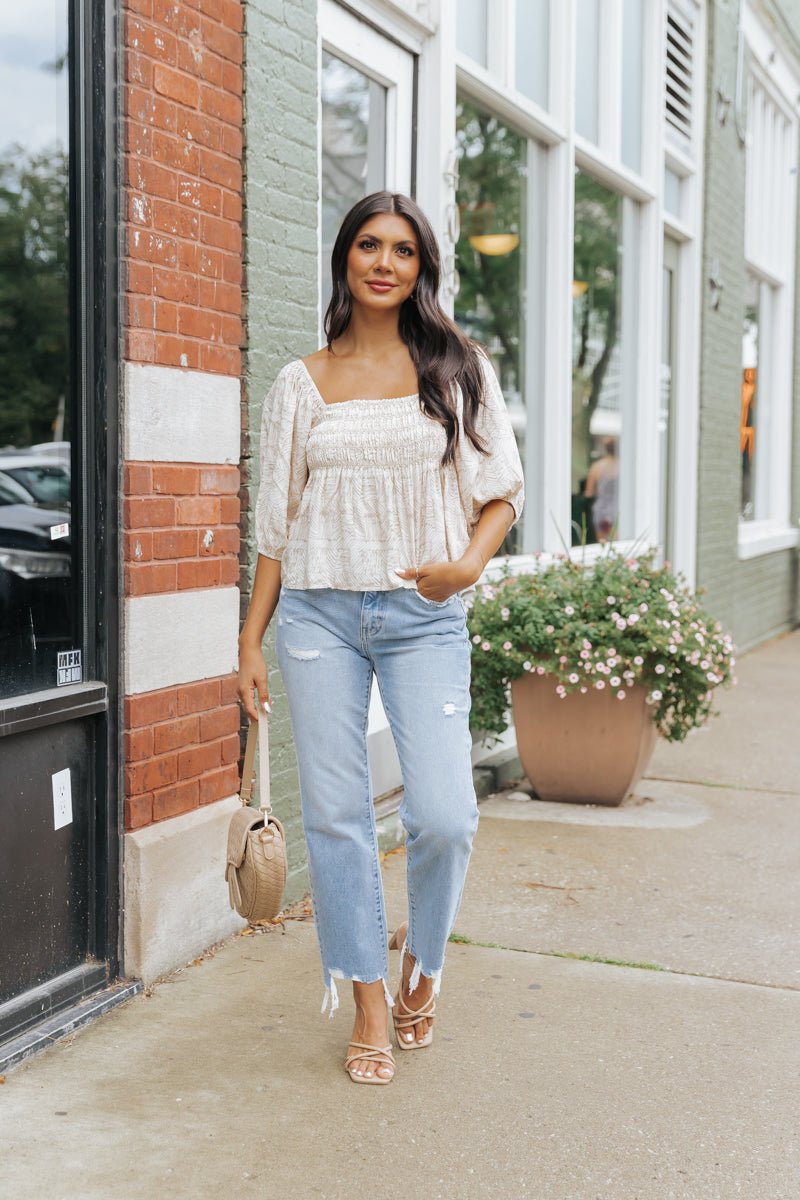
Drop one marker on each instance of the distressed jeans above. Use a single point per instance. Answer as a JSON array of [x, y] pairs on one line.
[[329, 641]]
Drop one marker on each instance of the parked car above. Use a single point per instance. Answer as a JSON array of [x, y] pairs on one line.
[[35, 590], [46, 481]]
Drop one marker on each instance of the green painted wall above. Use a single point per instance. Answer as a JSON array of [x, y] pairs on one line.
[[755, 598], [280, 296]]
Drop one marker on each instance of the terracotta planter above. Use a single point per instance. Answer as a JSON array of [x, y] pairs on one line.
[[584, 749]]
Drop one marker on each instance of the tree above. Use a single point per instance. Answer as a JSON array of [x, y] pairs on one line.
[[34, 294], [597, 223], [491, 198]]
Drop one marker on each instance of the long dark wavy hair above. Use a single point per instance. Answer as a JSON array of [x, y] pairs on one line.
[[442, 353]]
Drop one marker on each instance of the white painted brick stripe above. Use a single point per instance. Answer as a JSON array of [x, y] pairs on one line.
[[179, 637], [181, 416]]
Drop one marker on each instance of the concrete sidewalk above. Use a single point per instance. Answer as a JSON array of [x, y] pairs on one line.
[[667, 1070]]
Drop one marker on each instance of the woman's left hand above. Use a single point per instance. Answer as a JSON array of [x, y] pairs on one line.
[[440, 580]]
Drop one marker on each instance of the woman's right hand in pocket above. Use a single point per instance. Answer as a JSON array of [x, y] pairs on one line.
[[253, 678]]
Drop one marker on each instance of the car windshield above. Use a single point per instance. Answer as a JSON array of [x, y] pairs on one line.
[[11, 492], [47, 485]]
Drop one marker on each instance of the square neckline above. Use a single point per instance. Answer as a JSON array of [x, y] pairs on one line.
[[354, 399]]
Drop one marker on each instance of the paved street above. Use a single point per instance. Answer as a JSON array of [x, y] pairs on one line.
[[620, 1022]]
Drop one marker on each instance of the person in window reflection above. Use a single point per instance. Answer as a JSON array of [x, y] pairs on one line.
[[601, 486], [390, 475]]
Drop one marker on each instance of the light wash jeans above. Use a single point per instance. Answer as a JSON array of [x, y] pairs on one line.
[[329, 641]]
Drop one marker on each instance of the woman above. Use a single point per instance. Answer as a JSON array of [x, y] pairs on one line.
[[390, 475]]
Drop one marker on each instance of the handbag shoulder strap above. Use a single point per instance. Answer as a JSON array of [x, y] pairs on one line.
[[259, 729]]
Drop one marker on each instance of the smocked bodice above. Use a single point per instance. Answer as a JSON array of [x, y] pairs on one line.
[[351, 490]]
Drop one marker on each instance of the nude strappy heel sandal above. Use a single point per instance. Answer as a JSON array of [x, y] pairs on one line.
[[405, 1018], [381, 1055]]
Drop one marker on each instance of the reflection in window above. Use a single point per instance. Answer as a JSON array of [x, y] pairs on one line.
[[668, 377], [596, 365], [632, 64], [353, 148], [672, 192], [749, 397], [37, 612], [532, 43], [490, 254], [587, 51], [472, 29]]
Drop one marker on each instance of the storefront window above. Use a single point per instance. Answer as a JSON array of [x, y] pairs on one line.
[[37, 540], [596, 362], [751, 339], [532, 39], [632, 60], [353, 148], [587, 52], [472, 29], [491, 253]]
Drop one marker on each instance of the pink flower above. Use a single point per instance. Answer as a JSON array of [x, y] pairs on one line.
[[569, 610], [620, 695], [574, 678], [477, 638], [506, 645], [486, 645], [549, 629], [600, 684], [540, 670]]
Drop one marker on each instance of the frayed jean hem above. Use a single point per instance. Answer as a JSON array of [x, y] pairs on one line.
[[332, 994]]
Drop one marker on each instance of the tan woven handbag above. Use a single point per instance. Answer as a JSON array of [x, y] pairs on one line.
[[256, 865]]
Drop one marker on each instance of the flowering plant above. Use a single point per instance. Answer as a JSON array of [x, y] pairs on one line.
[[614, 624]]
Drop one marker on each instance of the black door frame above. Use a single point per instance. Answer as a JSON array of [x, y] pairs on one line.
[[94, 209]]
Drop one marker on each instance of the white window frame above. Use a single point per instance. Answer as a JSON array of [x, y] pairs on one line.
[[549, 316], [773, 530]]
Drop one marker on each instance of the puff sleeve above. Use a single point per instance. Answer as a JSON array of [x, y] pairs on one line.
[[285, 423], [497, 475]]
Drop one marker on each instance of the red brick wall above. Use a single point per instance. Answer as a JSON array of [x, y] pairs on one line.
[[182, 156], [181, 749], [182, 527], [181, 307]]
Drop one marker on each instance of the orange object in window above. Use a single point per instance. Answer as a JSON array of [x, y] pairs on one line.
[[747, 433]]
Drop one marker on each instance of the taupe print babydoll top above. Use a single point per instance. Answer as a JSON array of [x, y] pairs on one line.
[[353, 489]]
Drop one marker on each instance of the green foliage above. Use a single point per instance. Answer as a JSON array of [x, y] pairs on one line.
[[34, 294], [491, 191], [617, 623]]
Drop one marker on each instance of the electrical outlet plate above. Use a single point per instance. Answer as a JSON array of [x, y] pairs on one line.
[[62, 799]]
